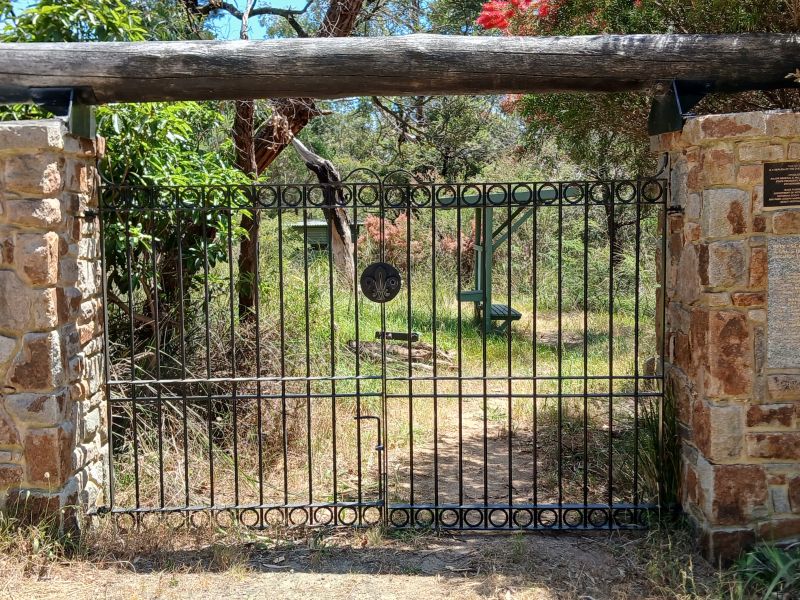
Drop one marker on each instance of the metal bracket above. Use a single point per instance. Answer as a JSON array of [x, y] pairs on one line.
[[671, 107], [72, 104]]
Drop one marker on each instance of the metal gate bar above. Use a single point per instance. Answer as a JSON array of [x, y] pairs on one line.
[[264, 416]]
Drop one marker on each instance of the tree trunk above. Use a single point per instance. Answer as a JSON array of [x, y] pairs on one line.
[[338, 220]]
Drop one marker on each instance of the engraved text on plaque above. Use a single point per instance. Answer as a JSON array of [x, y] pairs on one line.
[[783, 313]]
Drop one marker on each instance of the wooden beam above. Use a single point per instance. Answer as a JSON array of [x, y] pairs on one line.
[[403, 65]]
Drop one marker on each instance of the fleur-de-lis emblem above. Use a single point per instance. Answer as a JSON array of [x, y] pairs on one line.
[[380, 282]]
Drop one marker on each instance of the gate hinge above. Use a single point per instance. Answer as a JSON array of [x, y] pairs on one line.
[[675, 210]]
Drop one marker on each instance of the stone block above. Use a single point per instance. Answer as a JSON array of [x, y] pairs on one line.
[[726, 212], [688, 282], [29, 506], [45, 134], [749, 298], [39, 365], [780, 446], [8, 348], [783, 124], [33, 175], [730, 354], [758, 268], [33, 213], [48, 457], [759, 224], [770, 415], [23, 308], [9, 436], [723, 127], [718, 165], [749, 175], [38, 410], [786, 221], [780, 499], [784, 387], [740, 492], [779, 529], [37, 257], [717, 430], [723, 547], [793, 489], [760, 152], [69, 303], [10, 475], [794, 152], [727, 264]]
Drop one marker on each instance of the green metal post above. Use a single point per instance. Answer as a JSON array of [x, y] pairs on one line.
[[488, 254]]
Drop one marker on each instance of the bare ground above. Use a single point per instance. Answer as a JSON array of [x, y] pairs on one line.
[[366, 565]]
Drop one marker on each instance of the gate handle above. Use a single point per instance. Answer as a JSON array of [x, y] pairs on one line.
[[379, 447]]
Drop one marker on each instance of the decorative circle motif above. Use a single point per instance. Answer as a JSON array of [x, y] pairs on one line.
[[323, 515], [368, 195], [424, 517], [623, 517], [448, 518], [522, 518], [446, 195], [200, 518], [274, 517], [371, 515], [348, 515], [224, 518], [471, 190], [625, 192], [473, 517], [125, 522], [403, 519], [267, 196], [250, 518], [544, 193], [396, 196], [292, 196], [381, 282], [500, 522], [598, 517], [547, 518], [599, 193], [573, 193], [572, 517], [298, 516], [502, 195], [652, 190], [522, 194], [315, 195], [421, 195]]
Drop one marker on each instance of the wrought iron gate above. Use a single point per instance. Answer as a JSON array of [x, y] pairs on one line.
[[485, 359]]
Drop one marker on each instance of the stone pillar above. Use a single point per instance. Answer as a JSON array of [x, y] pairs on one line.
[[52, 407], [732, 349]]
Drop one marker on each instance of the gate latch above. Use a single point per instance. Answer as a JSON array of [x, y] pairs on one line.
[[400, 336]]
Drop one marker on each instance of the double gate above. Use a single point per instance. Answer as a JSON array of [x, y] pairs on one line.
[[455, 356]]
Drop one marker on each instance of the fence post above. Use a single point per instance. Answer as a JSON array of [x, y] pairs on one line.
[[53, 430], [733, 328]]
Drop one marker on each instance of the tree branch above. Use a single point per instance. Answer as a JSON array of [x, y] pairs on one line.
[[212, 5]]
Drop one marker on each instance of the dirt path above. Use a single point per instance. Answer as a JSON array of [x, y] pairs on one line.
[[355, 566]]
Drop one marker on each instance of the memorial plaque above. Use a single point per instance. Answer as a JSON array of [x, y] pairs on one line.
[[783, 312], [782, 184]]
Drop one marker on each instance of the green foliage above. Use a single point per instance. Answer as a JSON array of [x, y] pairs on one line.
[[768, 571], [74, 21], [174, 144], [607, 133]]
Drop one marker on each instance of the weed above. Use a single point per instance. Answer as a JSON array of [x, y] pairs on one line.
[[769, 572]]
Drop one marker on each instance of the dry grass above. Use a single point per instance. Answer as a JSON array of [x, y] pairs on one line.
[[160, 562]]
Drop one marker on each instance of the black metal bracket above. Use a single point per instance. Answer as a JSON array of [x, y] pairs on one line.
[[399, 336], [671, 107], [75, 105]]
